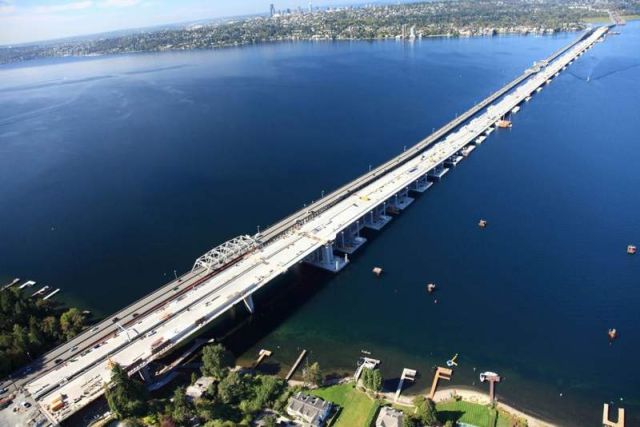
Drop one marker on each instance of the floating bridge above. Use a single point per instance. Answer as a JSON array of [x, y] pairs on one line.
[[324, 234]]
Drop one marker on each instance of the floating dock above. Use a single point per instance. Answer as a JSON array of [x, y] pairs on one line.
[[295, 365]]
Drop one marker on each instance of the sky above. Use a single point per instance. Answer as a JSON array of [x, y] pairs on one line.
[[35, 20]]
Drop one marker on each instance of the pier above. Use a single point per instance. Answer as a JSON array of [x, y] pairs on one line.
[[323, 234], [441, 374], [51, 294], [606, 422], [10, 284], [295, 365], [262, 354], [407, 374]]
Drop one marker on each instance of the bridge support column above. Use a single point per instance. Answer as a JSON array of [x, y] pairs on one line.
[[379, 217], [421, 184], [437, 173], [402, 199], [324, 258], [248, 302], [349, 239]]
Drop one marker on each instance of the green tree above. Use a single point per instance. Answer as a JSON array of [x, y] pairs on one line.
[[312, 375], [426, 410], [375, 380], [71, 322], [216, 361], [232, 388], [126, 397], [181, 409], [410, 421], [269, 421], [50, 327]]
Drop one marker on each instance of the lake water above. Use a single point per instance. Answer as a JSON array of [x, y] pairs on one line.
[[116, 171]]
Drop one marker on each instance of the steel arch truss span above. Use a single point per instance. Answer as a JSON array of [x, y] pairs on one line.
[[225, 253]]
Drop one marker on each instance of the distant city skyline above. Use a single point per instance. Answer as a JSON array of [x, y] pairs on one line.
[[24, 21]]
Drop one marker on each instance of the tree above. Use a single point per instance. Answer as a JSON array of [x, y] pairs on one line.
[[426, 410], [410, 421], [232, 388], [126, 397], [181, 409], [215, 361], [51, 327], [71, 322], [269, 421], [375, 380], [312, 375]]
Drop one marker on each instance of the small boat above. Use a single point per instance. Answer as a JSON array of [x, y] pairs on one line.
[[368, 353], [377, 271], [431, 287], [631, 250], [613, 335], [515, 109], [482, 223]]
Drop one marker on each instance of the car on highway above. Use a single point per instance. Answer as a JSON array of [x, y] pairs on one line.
[[95, 329], [4, 390], [57, 361]]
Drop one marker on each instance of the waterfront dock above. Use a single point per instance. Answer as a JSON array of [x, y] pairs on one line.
[[295, 365], [440, 374], [407, 374], [10, 284], [262, 354], [51, 294]]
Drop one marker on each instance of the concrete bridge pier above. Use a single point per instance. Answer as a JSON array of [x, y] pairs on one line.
[[402, 199], [349, 240], [324, 258], [421, 184], [377, 218], [248, 302], [437, 173]]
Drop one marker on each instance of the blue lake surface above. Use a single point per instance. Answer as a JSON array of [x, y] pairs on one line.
[[115, 171]]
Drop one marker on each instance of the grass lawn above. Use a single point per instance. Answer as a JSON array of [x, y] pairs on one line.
[[466, 412], [358, 409], [473, 413]]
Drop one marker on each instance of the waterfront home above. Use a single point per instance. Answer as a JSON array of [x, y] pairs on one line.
[[309, 410], [389, 417]]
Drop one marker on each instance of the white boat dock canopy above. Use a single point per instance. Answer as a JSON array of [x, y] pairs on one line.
[[226, 252]]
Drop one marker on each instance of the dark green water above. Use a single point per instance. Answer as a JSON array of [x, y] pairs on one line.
[[116, 171]]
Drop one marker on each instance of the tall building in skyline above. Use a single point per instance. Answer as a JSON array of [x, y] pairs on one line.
[[272, 10]]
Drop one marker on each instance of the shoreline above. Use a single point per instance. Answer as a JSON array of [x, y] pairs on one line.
[[474, 396]]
